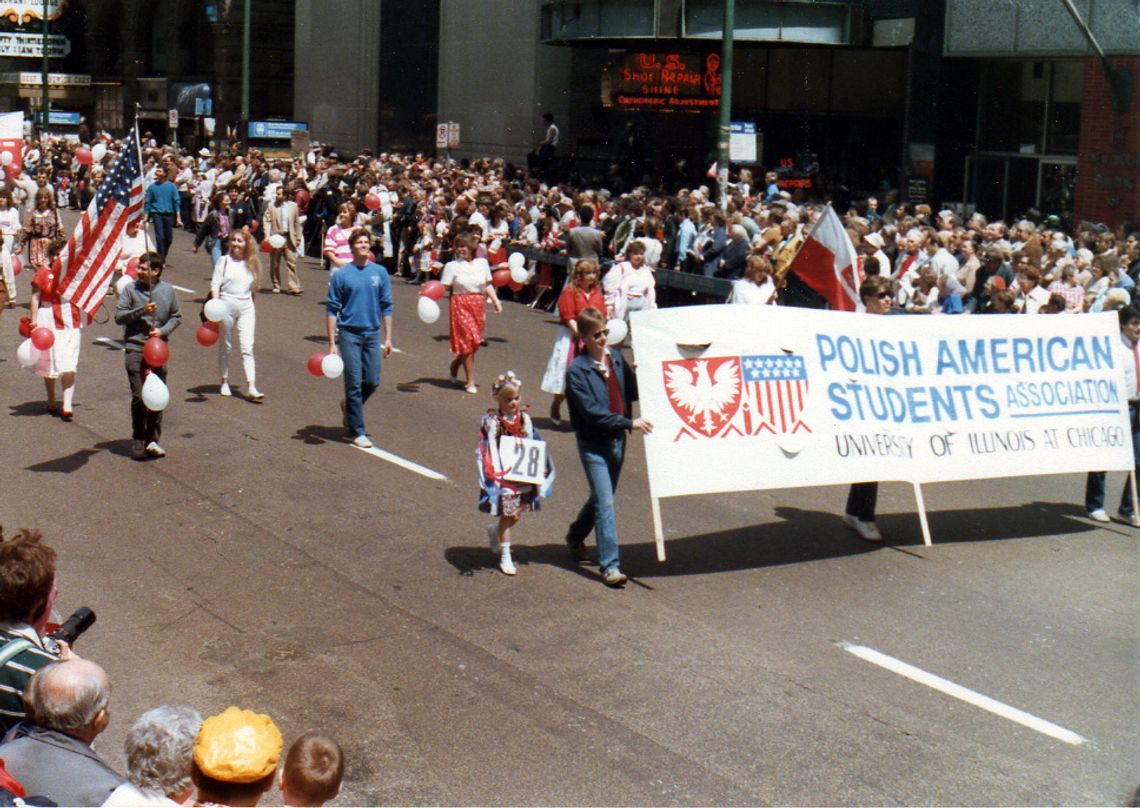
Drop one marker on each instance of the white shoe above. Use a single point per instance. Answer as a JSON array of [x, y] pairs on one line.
[[154, 450], [868, 531], [362, 442], [254, 394], [226, 391], [506, 564], [1131, 519], [1099, 515], [493, 536]]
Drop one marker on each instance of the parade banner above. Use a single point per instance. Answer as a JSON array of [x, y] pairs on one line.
[[761, 397]]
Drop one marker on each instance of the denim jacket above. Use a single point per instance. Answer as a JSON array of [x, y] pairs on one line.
[[589, 398]]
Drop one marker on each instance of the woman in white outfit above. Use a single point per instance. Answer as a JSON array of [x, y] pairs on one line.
[[9, 229], [235, 283]]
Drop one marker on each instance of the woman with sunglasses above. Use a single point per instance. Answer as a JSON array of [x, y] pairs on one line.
[[859, 514]]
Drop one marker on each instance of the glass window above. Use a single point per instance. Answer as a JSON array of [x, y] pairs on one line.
[[1064, 124]]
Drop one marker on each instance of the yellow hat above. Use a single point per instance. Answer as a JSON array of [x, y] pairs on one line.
[[237, 746]]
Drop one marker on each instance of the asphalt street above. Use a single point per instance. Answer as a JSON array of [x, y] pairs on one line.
[[269, 564]]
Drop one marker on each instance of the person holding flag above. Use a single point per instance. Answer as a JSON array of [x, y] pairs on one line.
[[827, 263]]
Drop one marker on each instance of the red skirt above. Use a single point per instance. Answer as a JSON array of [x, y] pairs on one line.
[[468, 312]]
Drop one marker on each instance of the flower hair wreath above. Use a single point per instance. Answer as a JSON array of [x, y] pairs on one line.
[[504, 380]]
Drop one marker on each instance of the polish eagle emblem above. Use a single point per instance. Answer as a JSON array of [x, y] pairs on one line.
[[705, 393]]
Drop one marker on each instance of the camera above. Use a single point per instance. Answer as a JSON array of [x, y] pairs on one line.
[[73, 628]]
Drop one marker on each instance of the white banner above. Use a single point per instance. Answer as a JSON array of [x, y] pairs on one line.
[[32, 45], [760, 397]]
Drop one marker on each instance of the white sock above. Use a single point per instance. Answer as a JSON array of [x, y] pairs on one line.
[[68, 393], [505, 551]]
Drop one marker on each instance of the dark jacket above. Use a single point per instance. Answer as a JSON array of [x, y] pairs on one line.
[[589, 398]]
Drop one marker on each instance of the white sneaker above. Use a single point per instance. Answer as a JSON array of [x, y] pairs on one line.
[[506, 564], [1132, 519], [868, 531], [493, 536], [362, 442], [154, 450], [254, 394], [1099, 515], [226, 391]]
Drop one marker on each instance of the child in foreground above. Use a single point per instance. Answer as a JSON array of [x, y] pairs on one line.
[[313, 770], [500, 497]]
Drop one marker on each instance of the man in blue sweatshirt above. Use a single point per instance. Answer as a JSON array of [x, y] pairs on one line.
[[162, 209], [358, 301]]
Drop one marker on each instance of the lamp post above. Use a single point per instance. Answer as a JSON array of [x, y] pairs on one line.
[[243, 131], [724, 129], [45, 101]]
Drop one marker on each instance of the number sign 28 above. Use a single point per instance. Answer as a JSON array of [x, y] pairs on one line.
[[523, 460]]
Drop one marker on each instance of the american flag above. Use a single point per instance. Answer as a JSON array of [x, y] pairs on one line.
[[775, 391], [88, 261]]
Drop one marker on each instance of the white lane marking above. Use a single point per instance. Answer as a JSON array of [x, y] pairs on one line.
[[403, 463], [184, 289], [965, 694], [114, 343]]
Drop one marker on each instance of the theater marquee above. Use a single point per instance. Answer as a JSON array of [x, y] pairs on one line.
[[668, 82]]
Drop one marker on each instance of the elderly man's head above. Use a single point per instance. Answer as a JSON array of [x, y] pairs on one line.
[[71, 697], [160, 751]]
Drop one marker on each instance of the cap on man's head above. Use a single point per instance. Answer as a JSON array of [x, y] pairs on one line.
[[238, 746], [875, 240], [1052, 220]]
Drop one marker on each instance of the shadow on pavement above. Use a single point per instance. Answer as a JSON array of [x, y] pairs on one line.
[[77, 460], [414, 385], [28, 408], [314, 434], [198, 394]]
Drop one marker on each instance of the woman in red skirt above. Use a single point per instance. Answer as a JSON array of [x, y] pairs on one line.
[[469, 279]]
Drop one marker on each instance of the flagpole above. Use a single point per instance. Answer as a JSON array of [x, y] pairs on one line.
[[142, 173]]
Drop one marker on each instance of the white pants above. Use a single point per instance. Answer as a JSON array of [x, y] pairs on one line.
[[242, 314], [6, 261]]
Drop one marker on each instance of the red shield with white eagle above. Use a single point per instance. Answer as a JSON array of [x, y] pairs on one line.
[[705, 393]]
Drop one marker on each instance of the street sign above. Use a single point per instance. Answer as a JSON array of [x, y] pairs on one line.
[[452, 135], [742, 142], [32, 45], [274, 130], [441, 130], [172, 118]]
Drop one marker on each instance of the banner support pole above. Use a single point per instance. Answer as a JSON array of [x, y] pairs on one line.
[[658, 533], [921, 505], [1132, 482]]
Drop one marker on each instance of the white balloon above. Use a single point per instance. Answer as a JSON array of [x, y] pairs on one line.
[[519, 274], [122, 283], [517, 259], [98, 152], [302, 219], [28, 355], [155, 393], [428, 310], [215, 310], [277, 241], [6, 157], [332, 366], [618, 331]]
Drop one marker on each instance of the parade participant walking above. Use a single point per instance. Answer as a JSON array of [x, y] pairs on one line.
[[859, 515], [600, 390], [41, 227], [216, 229], [358, 302], [469, 279], [162, 209], [582, 292], [281, 219], [501, 497], [61, 360], [337, 250], [235, 283], [9, 230], [147, 308]]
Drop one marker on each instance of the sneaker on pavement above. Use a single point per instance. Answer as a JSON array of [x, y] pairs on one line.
[[868, 531], [1130, 518], [507, 566], [614, 577], [138, 450], [493, 536], [362, 442], [254, 394], [154, 450], [1099, 515], [578, 551], [226, 391]]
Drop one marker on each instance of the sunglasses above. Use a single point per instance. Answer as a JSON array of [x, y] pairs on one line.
[[605, 332], [884, 296]]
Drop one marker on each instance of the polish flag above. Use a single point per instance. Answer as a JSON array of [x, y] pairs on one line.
[[828, 264], [12, 142]]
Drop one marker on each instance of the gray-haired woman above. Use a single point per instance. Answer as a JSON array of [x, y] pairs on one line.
[[160, 754]]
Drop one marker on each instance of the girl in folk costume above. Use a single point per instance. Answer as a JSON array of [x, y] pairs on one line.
[[498, 496], [61, 360], [582, 292]]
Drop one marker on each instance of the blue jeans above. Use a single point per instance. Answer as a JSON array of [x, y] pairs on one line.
[[360, 351], [1095, 484], [216, 252], [601, 461], [163, 231]]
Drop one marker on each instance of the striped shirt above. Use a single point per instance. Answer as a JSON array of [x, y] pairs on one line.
[[16, 672]]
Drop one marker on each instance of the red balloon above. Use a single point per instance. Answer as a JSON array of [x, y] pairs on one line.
[[433, 289], [501, 277], [314, 364], [207, 334], [515, 286], [25, 328], [83, 156], [16, 265], [132, 269], [156, 352], [253, 226], [265, 246], [43, 338], [372, 202]]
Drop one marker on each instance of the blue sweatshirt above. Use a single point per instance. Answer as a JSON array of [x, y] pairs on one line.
[[360, 296], [162, 197]]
